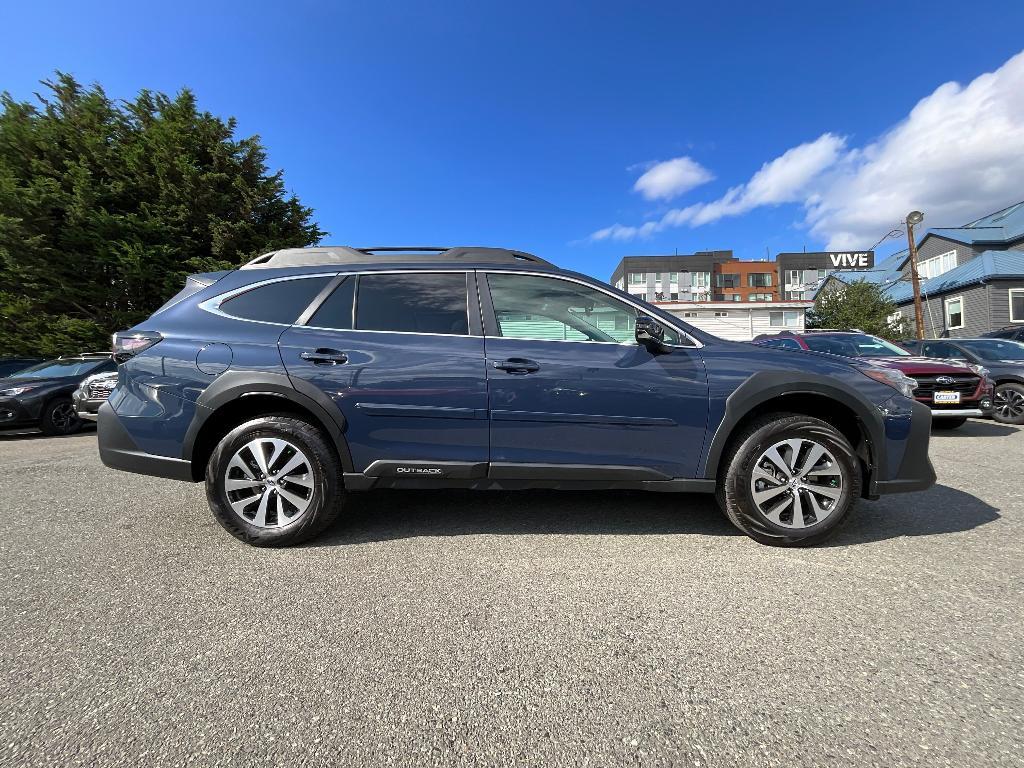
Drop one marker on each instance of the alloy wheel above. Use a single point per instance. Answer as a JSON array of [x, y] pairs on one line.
[[1009, 403], [269, 482], [796, 483], [63, 416]]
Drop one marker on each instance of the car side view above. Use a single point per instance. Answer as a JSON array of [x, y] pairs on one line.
[[309, 374], [41, 395]]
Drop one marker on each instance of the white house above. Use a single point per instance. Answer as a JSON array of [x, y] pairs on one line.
[[738, 321]]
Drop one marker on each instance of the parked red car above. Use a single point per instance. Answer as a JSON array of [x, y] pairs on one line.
[[954, 392]]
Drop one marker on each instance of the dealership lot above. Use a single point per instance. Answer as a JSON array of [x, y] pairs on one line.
[[536, 628]]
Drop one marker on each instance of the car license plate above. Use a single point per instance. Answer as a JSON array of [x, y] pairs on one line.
[[947, 398]]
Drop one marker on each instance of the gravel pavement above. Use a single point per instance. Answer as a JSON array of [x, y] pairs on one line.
[[534, 628]]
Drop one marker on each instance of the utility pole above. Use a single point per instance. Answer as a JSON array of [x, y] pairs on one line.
[[915, 217]]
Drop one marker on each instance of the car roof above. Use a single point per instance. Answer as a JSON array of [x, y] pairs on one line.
[[460, 256]]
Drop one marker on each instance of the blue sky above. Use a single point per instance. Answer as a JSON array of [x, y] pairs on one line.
[[529, 124]]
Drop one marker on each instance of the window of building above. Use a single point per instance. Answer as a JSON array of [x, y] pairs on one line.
[[689, 314], [673, 278], [619, 283], [794, 277], [413, 303], [955, 312], [638, 278], [673, 295], [936, 265], [1017, 305], [759, 279], [784, 319], [701, 279], [759, 297], [336, 311], [552, 309], [794, 296], [280, 302], [721, 314], [727, 280]]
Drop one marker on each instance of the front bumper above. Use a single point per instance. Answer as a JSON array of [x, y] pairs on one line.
[[15, 413], [119, 451], [915, 472]]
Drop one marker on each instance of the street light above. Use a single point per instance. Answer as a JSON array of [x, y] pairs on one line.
[[914, 218]]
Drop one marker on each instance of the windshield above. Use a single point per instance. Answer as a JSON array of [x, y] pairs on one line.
[[995, 349], [853, 345], [53, 369]]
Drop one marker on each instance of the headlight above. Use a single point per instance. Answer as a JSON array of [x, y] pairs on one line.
[[14, 391], [980, 370], [894, 378]]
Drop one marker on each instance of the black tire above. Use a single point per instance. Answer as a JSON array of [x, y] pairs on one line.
[[325, 499], [1009, 404], [735, 495], [59, 417], [941, 423]]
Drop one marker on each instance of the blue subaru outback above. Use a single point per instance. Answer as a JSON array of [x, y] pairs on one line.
[[309, 374]]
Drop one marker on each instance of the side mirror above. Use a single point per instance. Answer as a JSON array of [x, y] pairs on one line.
[[650, 333]]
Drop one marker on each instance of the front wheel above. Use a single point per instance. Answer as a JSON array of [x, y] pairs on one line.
[[59, 418], [1008, 404], [274, 481], [789, 480]]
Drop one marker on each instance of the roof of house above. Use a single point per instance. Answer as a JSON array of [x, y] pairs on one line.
[[1002, 226], [987, 265]]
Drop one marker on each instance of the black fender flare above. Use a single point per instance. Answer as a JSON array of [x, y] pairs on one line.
[[768, 385], [232, 385]]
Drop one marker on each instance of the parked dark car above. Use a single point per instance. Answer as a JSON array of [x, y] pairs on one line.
[[309, 374], [1004, 360], [92, 393], [11, 365], [1011, 332], [40, 395], [953, 391]]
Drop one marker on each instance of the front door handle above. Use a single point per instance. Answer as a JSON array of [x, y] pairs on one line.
[[325, 356], [516, 365]]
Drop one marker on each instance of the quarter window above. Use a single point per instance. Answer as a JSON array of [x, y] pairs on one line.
[[551, 309], [413, 303], [279, 302], [955, 312]]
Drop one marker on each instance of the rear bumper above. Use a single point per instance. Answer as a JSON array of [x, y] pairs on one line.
[[916, 472], [119, 451]]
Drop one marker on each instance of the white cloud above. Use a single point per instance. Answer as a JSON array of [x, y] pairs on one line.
[[671, 178], [958, 155]]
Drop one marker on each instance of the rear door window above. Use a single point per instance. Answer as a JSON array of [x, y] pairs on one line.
[[279, 302], [414, 302]]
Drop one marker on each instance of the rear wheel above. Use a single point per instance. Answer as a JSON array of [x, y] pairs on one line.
[[274, 481], [59, 418], [941, 423], [789, 480], [1008, 404]]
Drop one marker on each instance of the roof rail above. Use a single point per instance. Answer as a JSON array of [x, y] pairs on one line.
[[85, 354], [343, 254]]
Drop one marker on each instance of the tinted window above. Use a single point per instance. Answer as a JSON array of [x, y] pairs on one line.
[[941, 349], [68, 367], [412, 303], [549, 309], [336, 311], [280, 302], [994, 349]]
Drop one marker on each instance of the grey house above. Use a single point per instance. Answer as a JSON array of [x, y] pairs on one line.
[[972, 277]]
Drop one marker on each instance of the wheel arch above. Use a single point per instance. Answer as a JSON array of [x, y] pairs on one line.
[[236, 398], [857, 420]]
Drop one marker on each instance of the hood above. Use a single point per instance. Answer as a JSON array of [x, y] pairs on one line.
[[923, 366]]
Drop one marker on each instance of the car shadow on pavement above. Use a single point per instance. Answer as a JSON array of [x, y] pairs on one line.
[[393, 514], [30, 434], [938, 510], [977, 429]]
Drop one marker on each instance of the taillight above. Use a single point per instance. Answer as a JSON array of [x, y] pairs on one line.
[[128, 344]]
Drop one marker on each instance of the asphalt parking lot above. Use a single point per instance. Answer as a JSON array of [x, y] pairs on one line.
[[537, 628]]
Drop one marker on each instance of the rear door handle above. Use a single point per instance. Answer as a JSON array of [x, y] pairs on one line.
[[324, 356], [516, 365]]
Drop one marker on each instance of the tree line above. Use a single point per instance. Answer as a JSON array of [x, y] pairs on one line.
[[106, 206]]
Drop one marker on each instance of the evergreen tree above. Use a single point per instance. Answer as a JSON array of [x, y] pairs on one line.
[[858, 305], [106, 207]]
